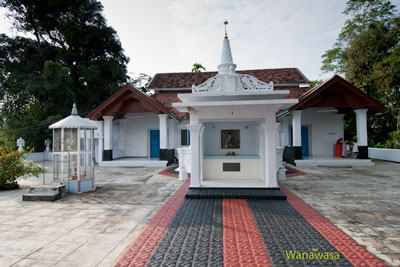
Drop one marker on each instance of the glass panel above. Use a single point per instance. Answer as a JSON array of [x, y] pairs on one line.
[[57, 140], [82, 166], [89, 160], [88, 141], [82, 144], [57, 167], [73, 167], [64, 167], [67, 140], [82, 140], [70, 139]]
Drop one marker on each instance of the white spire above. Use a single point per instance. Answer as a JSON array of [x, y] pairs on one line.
[[227, 66], [74, 111], [226, 57]]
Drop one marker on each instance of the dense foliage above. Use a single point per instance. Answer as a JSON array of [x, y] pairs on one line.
[[367, 52], [73, 56], [13, 166]]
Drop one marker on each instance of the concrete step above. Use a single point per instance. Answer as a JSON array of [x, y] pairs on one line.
[[134, 163], [45, 193], [321, 162], [243, 193]]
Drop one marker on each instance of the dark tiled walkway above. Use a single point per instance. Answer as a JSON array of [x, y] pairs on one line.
[[241, 232], [285, 231], [194, 237]]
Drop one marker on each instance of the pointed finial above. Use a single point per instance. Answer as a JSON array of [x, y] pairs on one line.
[[74, 110], [226, 23]]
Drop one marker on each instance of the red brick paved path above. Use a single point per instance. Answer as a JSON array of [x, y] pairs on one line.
[[139, 252], [242, 241], [355, 253]]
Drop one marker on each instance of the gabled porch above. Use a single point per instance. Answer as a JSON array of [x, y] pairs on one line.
[[133, 130], [310, 128]]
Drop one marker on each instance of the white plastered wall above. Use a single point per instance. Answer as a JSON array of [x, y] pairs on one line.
[[284, 129], [118, 138], [137, 140], [131, 136], [325, 127]]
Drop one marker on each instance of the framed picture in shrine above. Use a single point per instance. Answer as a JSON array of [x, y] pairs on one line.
[[230, 139]]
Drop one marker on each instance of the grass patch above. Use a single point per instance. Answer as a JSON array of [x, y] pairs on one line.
[[377, 160]]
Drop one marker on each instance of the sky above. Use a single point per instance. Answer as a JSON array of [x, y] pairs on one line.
[[170, 35]]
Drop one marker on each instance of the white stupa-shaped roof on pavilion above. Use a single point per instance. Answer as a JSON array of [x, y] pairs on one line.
[[227, 80], [73, 121], [229, 88]]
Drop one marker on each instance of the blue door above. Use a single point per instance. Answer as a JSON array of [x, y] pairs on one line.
[[304, 141], [154, 143]]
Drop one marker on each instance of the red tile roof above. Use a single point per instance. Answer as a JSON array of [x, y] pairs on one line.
[[167, 98], [127, 99], [339, 93], [187, 79]]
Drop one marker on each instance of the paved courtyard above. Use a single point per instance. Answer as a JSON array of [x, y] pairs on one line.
[[90, 229], [93, 229], [364, 202]]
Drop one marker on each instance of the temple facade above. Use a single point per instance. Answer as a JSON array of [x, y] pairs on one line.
[[225, 126]]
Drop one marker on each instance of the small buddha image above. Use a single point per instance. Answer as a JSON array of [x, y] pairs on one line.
[[230, 139]]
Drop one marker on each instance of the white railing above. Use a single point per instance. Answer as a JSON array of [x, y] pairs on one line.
[[185, 162], [40, 156]]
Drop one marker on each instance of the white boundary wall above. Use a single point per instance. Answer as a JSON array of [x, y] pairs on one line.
[[38, 156], [384, 154]]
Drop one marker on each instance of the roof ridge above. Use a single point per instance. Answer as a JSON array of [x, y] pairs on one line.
[[199, 73]]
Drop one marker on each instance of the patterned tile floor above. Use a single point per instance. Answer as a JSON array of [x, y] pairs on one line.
[[241, 232]]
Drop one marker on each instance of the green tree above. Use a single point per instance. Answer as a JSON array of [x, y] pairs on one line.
[[141, 81], [73, 57], [13, 166], [367, 52], [314, 83], [197, 67], [361, 13]]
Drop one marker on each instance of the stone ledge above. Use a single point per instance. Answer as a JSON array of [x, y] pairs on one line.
[[45, 193]]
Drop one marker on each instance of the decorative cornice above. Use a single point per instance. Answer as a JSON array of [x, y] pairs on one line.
[[242, 82]]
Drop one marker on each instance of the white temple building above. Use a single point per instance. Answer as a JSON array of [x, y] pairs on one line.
[[225, 126]]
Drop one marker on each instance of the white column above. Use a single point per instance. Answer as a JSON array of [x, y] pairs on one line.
[[171, 133], [361, 119], [261, 148], [108, 132], [163, 131], [296, 125], [195, 153], [99, 135], [270, 153], [121, 141], [101, 149]]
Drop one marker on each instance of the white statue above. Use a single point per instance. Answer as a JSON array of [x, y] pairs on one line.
[[47, 143], [20, 144]]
